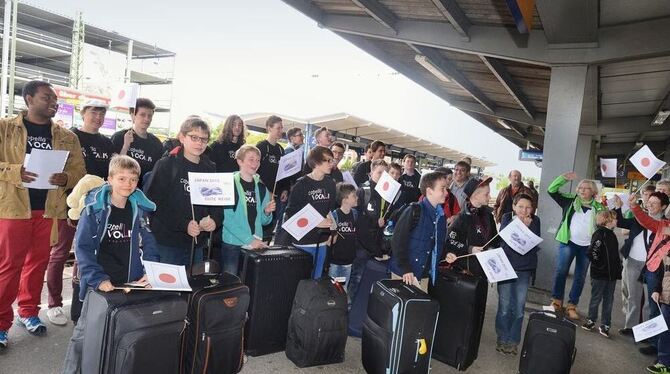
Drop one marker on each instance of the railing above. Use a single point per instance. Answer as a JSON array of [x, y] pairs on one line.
[[43, 38]]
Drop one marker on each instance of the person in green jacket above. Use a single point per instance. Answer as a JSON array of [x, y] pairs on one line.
[[243, 222], [574, 237]]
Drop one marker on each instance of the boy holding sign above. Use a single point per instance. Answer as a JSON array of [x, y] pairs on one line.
[[109, 232], [252, 210]]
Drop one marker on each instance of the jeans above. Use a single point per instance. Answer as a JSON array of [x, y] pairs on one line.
[[318, 252], [632, 291], [602, 290], [59, 254], [357, 268], [230, 258], [340, 271], [566, 254], [664, 339], [511, 302], [178, 255]]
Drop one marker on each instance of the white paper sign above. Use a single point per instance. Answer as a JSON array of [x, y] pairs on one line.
[[44, 163], [348, 178], [649, 328], [646, 163], [166, 277], [289, 165], [211, 188], [519, 237], [125, 96], [611, 204], [302, 222], [496, 266], [387, 187]]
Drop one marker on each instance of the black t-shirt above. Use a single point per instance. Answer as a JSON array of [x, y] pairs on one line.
[[97, 150], [344, 250], [320, 194], [39, 137], [336, 174], [250, 197], [223, 155], [270, 155], [145, 151], [410, 187], [114, 253]]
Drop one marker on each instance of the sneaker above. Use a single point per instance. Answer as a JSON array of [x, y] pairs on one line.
[[500, 347], [626, 331], [604, 330], [33, 324], [56, 316], [571, 312], [658, 368], [649, 350], [557, 305], [3, 339], [513, 350], [589, 325]]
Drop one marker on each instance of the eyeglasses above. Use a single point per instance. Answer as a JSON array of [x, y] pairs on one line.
[[196, 138], [331, 160]]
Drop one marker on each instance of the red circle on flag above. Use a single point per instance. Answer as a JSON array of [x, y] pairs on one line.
[[302, 222], [385, 187], [645, 161], [604, 167], [167, 278], [122, 93]]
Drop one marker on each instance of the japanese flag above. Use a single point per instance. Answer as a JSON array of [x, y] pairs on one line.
[[125, 96], [646, 163], [302, 222], [608, 167], [387, 187]]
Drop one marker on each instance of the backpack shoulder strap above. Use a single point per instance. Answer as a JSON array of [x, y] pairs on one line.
[[416, 213], [355, 213], [335, 217]]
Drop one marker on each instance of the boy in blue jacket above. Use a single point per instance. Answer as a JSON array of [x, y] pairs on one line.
[[107, 242]]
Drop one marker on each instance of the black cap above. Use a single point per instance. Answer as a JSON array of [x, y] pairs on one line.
[[474, 183]]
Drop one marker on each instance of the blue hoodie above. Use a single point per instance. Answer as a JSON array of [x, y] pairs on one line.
[[90, 233]]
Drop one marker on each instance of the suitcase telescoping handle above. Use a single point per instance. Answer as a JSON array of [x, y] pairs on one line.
[[208, 266]]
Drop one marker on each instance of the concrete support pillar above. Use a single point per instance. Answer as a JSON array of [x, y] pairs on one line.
[[563, 151], [583, 165]]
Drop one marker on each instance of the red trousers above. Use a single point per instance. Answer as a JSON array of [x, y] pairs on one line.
[[24, 255], [57, 259]]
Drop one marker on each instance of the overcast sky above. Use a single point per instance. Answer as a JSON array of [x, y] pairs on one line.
[[263, 56]]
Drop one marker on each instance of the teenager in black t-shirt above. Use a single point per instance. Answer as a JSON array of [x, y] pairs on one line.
[[231, 138], [137, 142], [318, 190], [271, 152], [96, 148], [410, 180]]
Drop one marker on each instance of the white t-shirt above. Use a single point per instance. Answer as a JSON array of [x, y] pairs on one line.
[[580, 227], [638, 250]]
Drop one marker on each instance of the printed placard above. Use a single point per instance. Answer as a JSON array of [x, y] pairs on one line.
[[211, 188]]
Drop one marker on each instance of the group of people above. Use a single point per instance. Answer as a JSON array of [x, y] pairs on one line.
[[129, 200]]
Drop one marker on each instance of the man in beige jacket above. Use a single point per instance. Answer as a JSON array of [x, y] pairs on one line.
[[28, 216]]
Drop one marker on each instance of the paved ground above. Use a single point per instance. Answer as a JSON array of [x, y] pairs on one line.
[[44, 355]]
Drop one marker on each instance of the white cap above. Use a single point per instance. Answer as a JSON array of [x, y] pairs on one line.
[[94, 103]]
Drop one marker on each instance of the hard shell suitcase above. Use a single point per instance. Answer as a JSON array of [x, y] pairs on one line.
[[213, 340], [272, 277], [374, 271], [399, 329], [462, 300], [548, 345], [317, 328], [132, 333]]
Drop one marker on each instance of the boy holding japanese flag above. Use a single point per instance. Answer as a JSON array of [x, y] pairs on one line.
[[107, 242]]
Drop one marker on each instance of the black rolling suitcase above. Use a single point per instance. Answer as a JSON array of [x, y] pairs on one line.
[[132, 333], [548, 345], [317, 328], [212, 342], [399, 329], [272, 276], [462, 301], [374, 271]]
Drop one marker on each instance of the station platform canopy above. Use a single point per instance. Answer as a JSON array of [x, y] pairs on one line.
[[358, 132], [494, 60]]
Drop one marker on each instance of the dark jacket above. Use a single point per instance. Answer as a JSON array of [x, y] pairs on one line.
[[527, 262], [90, 232], [505, 200], [362, 172], [472, 227], [413, 247], [635, 229], [604, 255]]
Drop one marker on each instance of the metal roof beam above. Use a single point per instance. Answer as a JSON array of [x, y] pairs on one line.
[[307, 8], [379, 12], [615, 43], [569, 22], [515, 115], [498, 69], [453, 12], [444, 64]]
